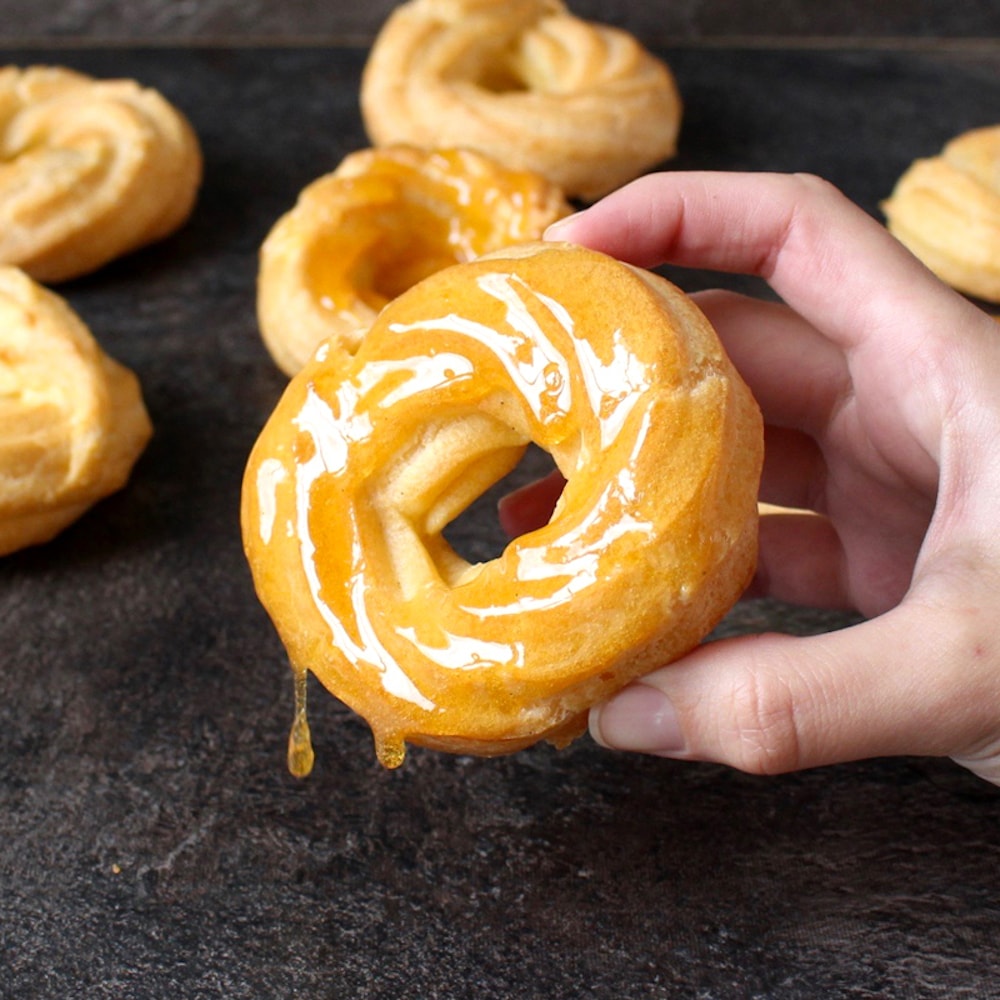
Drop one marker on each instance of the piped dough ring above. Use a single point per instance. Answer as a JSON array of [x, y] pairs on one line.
[[89, 170], [384, 219], [524, 81], [72, 420], [621, 379], [946, 209]]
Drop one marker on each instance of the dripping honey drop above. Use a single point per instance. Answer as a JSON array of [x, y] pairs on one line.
[[300, 750], [390, 750]]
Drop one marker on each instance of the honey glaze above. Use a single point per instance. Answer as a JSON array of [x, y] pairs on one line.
[[409, 214], [300, 750], [660, 444], [390, 751], [381, 222]]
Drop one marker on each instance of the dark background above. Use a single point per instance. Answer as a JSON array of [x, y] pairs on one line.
[[152, 843]]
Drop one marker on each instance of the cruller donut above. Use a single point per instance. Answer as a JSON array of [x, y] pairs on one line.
[[89, 170], [72, 420], [621, 379], [384, 219], [946, 209], [525, 81]]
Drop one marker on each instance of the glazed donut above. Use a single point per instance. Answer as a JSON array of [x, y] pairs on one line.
[[583, 104], [621, 379], [384, 219], [72, 420], [946, 209], [92, 169]]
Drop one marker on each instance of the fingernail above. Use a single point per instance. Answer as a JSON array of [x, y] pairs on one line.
[[640, 718], [560, 228]]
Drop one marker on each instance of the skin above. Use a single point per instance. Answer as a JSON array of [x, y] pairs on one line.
[[880, 389]]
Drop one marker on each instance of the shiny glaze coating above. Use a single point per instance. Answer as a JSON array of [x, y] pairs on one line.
[[383, 220], [620, 378]]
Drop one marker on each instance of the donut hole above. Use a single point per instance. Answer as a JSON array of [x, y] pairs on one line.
[[439, 499], [498, 69], [389, 252], [384, 266], [502, 76], [442, 471], [396, 265], [477, 534]]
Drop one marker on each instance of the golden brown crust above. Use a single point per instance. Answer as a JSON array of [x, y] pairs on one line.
[[946, 209], [89, 170], [384, 219], [365, 461], [72, 421], [525, 82]]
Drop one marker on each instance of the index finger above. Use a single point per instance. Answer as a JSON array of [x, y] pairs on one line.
[[829, 260]]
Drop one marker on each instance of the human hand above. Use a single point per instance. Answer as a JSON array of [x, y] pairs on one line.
[[880, 389]]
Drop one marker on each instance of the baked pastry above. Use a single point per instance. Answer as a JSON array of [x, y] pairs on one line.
[[365, 461], [72, 420], [384, 219], [525, 81], [89, 170], [946, 209]]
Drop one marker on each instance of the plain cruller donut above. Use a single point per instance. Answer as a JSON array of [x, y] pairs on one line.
[[384, 219], [946, 209], [72, 419], [92, 169], [526, 82], [610, 369]]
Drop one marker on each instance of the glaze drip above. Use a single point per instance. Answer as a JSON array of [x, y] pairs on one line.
[[300, 750]]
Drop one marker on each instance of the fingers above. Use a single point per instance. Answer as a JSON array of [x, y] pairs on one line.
[[530, 506], [796, 375], [798, 378], [794, 472], [801, 560], [769, 704], [797, 232], [800, 556]]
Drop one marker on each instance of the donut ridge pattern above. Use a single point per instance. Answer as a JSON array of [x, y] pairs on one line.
[[72, 420], [382, 220], [89, 170], [946, 209], [528, 83], [362, 466]]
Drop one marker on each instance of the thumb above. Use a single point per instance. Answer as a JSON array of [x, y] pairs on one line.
[[773, 703]]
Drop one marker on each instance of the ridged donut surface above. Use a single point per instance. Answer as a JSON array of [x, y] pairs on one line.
[[363, 464], [526, 82]]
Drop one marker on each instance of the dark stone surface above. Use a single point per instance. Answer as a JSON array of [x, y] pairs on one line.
[[341, 21], [152, 843]]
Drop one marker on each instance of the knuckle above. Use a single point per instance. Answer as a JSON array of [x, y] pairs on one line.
[[814, 184], [764, 737]]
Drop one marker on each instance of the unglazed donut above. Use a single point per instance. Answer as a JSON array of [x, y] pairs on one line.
[[621, 379], [384, 219], [72, 420], [89, 170], [583, 104], [946, 209]]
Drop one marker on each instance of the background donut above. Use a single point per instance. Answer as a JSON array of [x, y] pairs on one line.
[[384, 219], [92, 169], [72, 419], [583, 104], [946, 209]]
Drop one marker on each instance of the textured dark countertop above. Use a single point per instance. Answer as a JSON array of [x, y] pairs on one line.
[[152, 843]]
